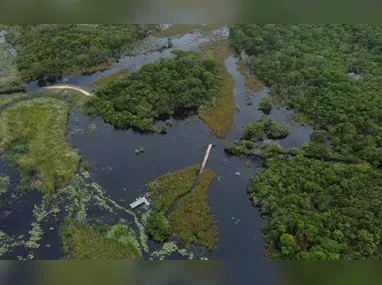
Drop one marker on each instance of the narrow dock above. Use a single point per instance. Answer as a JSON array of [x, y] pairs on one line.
[[205, 158], [139, 202]]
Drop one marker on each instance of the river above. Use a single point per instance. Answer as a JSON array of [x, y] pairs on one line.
[[240, 236]]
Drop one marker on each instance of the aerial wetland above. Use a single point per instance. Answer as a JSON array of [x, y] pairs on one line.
[[81, 141]]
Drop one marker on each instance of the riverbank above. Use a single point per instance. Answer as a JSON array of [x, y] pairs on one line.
[[219, 116]]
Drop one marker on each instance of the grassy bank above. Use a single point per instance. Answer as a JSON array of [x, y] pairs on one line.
[[219, 116], [193, 221], [169, 187], [84, 243], [32, 134], [251, 81], [111, 77]]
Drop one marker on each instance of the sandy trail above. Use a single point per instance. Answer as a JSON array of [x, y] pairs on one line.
[[78, 89]]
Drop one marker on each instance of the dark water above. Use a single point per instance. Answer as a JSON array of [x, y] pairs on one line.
[[240, 236], [16, 217]]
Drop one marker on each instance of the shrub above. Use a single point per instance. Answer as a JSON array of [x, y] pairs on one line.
[[266, 105], [158, 227]]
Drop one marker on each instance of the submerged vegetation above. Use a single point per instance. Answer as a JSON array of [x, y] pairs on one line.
[[159, 89], [112, 243], [4, 183], [54, 50], [166, 189], [324, 201], [192, 220], [219, 116], [32, 134]]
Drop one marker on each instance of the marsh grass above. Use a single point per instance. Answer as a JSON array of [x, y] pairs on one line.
[[193, 221], [111, 77], [5, 99], [85, 243], [86, 166], [87, 70], [32, 134], [75, 99], [219, 116], [89, 129], [10, 79], [251, 81], [166, 189]]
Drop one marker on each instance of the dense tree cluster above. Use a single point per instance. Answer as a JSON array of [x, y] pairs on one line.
[[159, 89], [265, 126], [323, 201], [307, 68], [251, 144], [319, 210], [53, 50]]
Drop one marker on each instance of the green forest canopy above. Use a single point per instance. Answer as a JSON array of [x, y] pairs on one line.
[[307, 66], [161, 88], [319, 210], [54, 50], [324, 202]]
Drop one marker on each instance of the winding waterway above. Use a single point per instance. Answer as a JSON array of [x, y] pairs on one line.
[[240, 236]]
